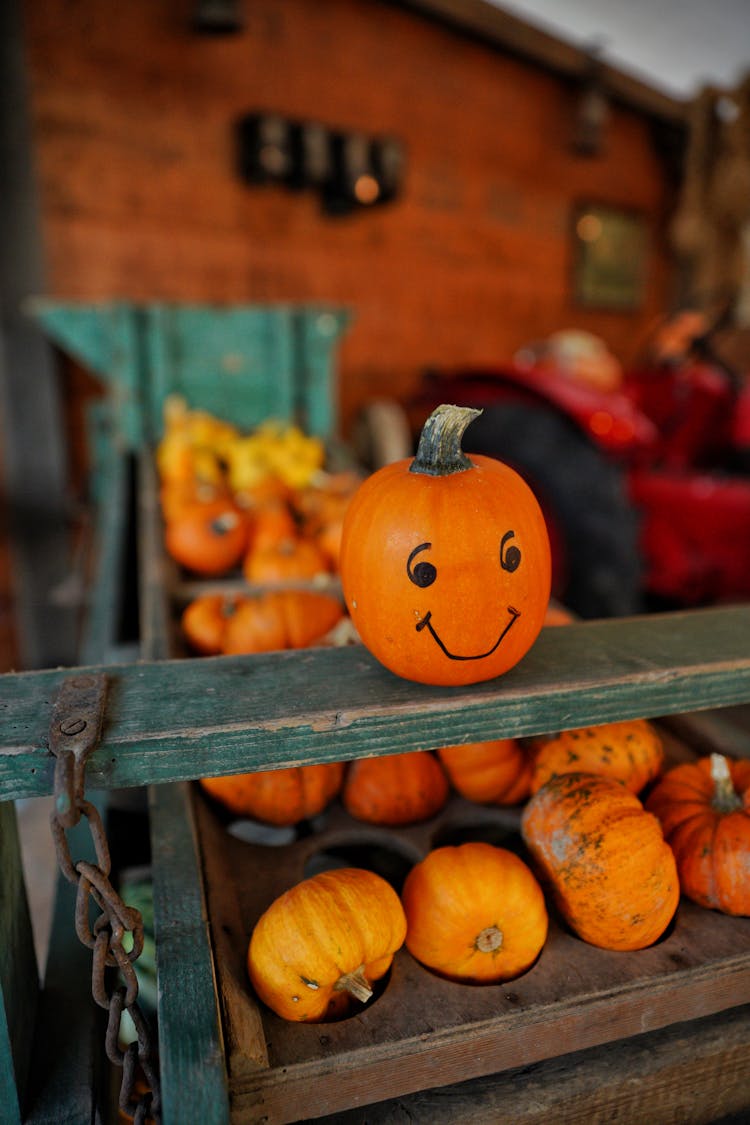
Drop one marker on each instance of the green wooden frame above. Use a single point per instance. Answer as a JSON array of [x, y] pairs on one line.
[[169, 721], [173, 720]]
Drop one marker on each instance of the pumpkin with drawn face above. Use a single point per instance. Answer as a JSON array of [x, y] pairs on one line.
[[445, 561]]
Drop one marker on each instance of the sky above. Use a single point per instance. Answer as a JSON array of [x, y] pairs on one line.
[[674, 45]]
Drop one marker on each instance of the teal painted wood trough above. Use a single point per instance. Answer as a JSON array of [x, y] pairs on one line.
[[245, 363]]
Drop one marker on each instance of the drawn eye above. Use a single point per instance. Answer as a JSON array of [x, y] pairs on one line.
[[510, 556], [423, 573]]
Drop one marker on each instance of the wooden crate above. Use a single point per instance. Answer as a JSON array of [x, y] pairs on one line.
[[423, 1031], [223, 1058]]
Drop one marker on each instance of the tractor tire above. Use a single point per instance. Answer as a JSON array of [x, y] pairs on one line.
[[597, 567]]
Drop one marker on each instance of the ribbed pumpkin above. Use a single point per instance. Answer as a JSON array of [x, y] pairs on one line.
[[612, 874], [474, 913], [395, 789], [445, 561], [282, 619], [326, 939], [282, 797], [289, 560], [489, 773], [704, 810], [631, 752], [270, 524], [204, 621]]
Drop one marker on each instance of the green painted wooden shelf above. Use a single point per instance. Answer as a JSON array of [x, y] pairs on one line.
[[181, 719]]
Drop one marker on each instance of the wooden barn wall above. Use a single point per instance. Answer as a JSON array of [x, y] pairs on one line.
[[133, 119]]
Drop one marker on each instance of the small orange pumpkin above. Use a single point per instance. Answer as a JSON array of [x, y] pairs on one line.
[[271, 523], [489, 773], [395, 789], [704, 810], [631, 752], [445, 561], [558, 615], [612, 874], [177, 498], [289, 560], [208, 539], [280, 619], [474, 913], [283, 796], [204, 621], [325, 939], [328, 540]]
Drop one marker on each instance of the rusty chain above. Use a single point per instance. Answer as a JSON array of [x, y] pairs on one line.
[[74, 733]]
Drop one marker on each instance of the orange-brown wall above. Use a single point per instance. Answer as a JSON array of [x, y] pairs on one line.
[[133, 121]]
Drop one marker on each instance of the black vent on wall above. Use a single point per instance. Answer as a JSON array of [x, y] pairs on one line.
[[349, 170], [217, 17]]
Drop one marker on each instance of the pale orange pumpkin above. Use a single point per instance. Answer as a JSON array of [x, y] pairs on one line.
[[395, 789], [282, 797], [204, 621], [474, 913], [280, 619], [630, 751], [489, 773], [326, 939], [289, 560], [612, 874]]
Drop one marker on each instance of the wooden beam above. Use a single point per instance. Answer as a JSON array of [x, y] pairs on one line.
[[502, 30], [179, 719], [34, 455]]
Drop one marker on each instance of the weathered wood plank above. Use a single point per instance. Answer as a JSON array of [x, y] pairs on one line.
[[182, 719], [19, 976], [694, 1073], [191, 1050], [99, 633], [155, 568]]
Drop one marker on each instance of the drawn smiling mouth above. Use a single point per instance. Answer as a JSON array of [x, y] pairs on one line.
[[426, 623]]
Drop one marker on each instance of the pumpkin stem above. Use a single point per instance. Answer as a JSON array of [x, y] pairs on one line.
[[355, 983], [439, 452], [725, 798], [489, 940]]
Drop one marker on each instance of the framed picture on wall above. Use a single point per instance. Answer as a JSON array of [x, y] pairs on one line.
[[610, 257]]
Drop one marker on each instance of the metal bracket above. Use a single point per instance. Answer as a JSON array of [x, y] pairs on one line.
[[75, 729]]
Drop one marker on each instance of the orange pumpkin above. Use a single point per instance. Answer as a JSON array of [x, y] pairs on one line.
[[631, 752], [445, 561], [704, 810], [558, 615], [204, 622], [612, 875], [328, 937], [271, 524], [282, 797], [268, 490], [289, 560], [489, 773], [280, 620], [396, 789], [474, 913], [177, 498], [328, 539], [208, 539]]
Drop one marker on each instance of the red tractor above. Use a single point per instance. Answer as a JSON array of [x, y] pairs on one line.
[[646, 487]]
